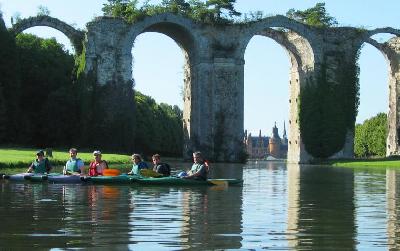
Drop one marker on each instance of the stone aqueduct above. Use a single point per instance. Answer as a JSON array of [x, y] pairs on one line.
[[214, 70]]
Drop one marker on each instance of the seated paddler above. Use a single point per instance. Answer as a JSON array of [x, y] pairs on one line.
[[40, 164], [138, 164], [74, 165], [199, 168]]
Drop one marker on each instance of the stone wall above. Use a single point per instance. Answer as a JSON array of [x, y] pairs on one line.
[[214, 73]]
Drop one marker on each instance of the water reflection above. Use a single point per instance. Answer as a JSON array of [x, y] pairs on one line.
[[189, 218], [325, 208], [285, 207], [392, 195]]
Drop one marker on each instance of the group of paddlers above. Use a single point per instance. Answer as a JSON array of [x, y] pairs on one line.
[[98, 167]]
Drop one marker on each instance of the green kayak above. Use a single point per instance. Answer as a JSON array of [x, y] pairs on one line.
[[174, 181], [120, 179]]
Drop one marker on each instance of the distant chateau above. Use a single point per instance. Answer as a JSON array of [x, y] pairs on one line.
[[262, 147]]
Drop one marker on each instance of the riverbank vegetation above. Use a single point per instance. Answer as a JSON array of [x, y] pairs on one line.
[[370, 163], [23, 157], [44, 105], [370, 137], [370, 145]]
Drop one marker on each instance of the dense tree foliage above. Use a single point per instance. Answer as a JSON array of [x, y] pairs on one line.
[[321, 115], [9, 86], [328, 107], [315, 16], [370, 137], [45, 91], [160, 126], [211, 11], [42, 104]]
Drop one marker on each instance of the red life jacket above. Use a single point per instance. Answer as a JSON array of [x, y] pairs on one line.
[[93, 169]]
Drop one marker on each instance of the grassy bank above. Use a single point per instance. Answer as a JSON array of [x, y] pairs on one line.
[[23, 157], [371, 163]]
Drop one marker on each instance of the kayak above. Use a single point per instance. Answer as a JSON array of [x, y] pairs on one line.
[[17, 177], [119, 179], [70, 179], [175, 181], [33, 177], [38, 177]]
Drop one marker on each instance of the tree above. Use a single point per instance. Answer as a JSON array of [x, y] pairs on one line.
[[126, 9], [220, 5], [315, 16], [370, 137], [177, 6], [45, 69], [159, 126], [9, 85], [43, 11]]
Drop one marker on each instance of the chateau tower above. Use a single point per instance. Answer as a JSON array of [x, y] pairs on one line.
[[275, 143]]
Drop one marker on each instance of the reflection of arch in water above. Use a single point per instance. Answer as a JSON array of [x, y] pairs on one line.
[[75, 36], [293, 175], [393, 214], [326, 209], [213, 218]]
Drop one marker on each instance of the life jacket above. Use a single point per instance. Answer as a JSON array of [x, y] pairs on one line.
[[42, 166], [163, 168], [93, 168], [72, 165]]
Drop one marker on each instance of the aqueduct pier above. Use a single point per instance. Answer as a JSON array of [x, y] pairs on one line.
[[214, 69]]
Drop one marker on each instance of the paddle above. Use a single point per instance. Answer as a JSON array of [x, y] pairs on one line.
[[218, 182], [149, 173]]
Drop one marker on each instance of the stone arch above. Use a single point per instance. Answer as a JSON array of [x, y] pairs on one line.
[[391, 52], [175, 27], [178, 28], [185, 33], [297, 40], [75, 36]]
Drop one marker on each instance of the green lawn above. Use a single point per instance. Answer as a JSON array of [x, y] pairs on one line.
[[23, 157], [372, 163]]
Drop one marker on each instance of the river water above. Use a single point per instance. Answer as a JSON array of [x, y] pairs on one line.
[[279, 207]]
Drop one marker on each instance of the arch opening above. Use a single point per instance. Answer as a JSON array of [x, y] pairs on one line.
[[51, 33], [164, 73], [301, 60], [260, 115], [378, 108], [75, 36]]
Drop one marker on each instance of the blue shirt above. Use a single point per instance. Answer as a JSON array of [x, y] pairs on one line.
[[139, 166]]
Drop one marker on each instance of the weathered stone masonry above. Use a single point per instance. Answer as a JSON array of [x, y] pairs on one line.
[[214, 70]]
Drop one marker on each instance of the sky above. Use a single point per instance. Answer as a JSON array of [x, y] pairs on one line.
[[267, 64]]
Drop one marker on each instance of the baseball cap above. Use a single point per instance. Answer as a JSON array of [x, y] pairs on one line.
[[96, 152]]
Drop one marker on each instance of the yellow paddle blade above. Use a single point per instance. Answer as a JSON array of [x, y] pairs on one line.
[[149, 173], [219, 182]]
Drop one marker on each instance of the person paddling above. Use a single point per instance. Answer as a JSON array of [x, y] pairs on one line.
[[97, 166], [74, 165], [138, 164], [199, 168], [40, 165], [159, 167]]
